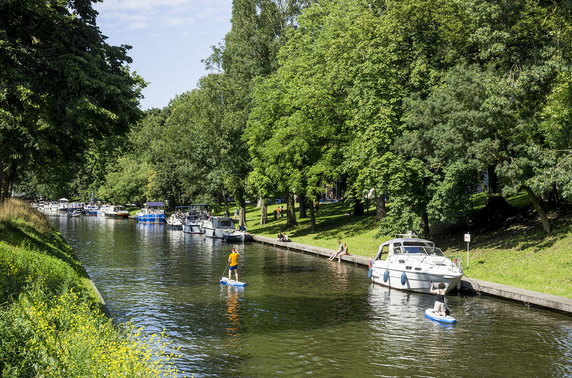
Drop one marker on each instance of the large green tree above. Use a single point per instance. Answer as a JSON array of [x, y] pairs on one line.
[[61, 85]]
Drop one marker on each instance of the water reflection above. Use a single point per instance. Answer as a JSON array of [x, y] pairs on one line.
[[232, 313], [302, 315]]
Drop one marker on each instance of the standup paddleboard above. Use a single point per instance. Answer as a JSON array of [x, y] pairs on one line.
[[438, 318], [226, 281]]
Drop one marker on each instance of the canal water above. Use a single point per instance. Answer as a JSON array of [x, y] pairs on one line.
[[303, 315]]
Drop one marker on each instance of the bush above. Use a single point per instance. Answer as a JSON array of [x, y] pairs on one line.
[[63, 336]]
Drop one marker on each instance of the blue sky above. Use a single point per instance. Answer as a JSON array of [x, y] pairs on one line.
[[169, 39]]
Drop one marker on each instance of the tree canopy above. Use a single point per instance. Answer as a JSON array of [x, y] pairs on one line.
[[416, 104]]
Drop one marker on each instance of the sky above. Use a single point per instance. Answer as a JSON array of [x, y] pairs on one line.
[[169, 40]]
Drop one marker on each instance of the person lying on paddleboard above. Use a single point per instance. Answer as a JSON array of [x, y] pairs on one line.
[[439, 307], [233, 263]]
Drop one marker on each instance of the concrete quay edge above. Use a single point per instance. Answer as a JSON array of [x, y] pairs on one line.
[[528, 297]]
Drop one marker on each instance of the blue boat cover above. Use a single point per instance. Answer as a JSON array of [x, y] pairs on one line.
[[154, 204]]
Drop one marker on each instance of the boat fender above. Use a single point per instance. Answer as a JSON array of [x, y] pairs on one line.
[[369, 273], [386, 276], [403, 278]]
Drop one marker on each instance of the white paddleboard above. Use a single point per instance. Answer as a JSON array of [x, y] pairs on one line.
[[226, 281], [438, 318]]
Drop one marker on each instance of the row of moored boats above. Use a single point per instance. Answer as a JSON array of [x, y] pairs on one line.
[[194, 219]]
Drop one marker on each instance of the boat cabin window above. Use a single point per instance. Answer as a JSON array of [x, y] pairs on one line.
[[384, 251], [420, 248], [226, 223]]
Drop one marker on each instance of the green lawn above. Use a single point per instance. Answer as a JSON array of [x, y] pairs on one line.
[[332, 224]]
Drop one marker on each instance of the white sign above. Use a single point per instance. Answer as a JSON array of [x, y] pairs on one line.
[[468, 237]]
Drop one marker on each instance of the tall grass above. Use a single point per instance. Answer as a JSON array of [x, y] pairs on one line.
[[15, 210]]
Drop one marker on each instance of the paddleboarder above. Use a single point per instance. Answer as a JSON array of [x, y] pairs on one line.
[[439, 307], [233, 263]]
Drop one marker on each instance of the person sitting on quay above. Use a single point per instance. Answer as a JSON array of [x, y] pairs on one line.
[[338, 251], [282, 237]]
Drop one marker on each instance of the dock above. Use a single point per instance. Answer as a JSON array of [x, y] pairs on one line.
[[527, 297]]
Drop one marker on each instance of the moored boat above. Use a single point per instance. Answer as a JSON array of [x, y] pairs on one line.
[[214, 226], [116, 211], [412, 263], [236, 236], [91, 209], [176, 220], [153, 212], [193, 223]]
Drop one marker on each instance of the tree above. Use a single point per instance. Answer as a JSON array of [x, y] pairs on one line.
[[61, 85]]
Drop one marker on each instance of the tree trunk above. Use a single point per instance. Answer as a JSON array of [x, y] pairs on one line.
[[358, 207], [493, 180], [303, 201], [425, 224], [1, 179], [242, 213], [291, 211], [380, 210], [539, 209], [6, 183], [263, 211], [312, 217], [226, 211]]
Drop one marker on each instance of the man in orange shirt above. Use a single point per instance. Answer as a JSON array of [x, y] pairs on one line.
[[233, 263]]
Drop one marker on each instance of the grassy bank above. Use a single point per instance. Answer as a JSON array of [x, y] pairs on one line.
[[51, 323], [517, 254]]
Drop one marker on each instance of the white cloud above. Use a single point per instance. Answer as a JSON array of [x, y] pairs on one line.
[[140, 14]]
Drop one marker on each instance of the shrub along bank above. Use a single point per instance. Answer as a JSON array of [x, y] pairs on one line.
[[51, 323], [517, 253]]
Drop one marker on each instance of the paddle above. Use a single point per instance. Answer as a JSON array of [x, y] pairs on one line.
[[227, 264]]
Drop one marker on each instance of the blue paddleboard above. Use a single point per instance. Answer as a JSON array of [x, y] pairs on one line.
[[226, 281], [438, 318]]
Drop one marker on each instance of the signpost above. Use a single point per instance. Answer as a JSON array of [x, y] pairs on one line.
[[468, 240]]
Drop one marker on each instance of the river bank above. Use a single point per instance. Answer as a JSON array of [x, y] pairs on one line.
[[517, 254], [52, 318]]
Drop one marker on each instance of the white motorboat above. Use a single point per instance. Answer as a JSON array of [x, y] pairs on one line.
[[74, 213], [214, 226], [104, 209], [91, 209], [411, 263], [117, 211], [236, 236], [176, 220], [193, 223]]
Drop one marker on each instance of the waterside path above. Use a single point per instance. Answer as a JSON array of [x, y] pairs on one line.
[[528, 297]]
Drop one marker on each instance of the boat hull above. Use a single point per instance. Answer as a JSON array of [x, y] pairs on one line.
[[215, 233], [410, 280], [237, 237], [193, 228], [151, 218]]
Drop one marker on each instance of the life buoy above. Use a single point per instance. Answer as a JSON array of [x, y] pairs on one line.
[[403, 278], [386, 276]]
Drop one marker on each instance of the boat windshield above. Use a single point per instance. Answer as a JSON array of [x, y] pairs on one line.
[[419, 247]]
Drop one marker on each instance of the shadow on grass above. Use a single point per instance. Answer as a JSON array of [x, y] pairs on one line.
[[520, 232], [332, 221]]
